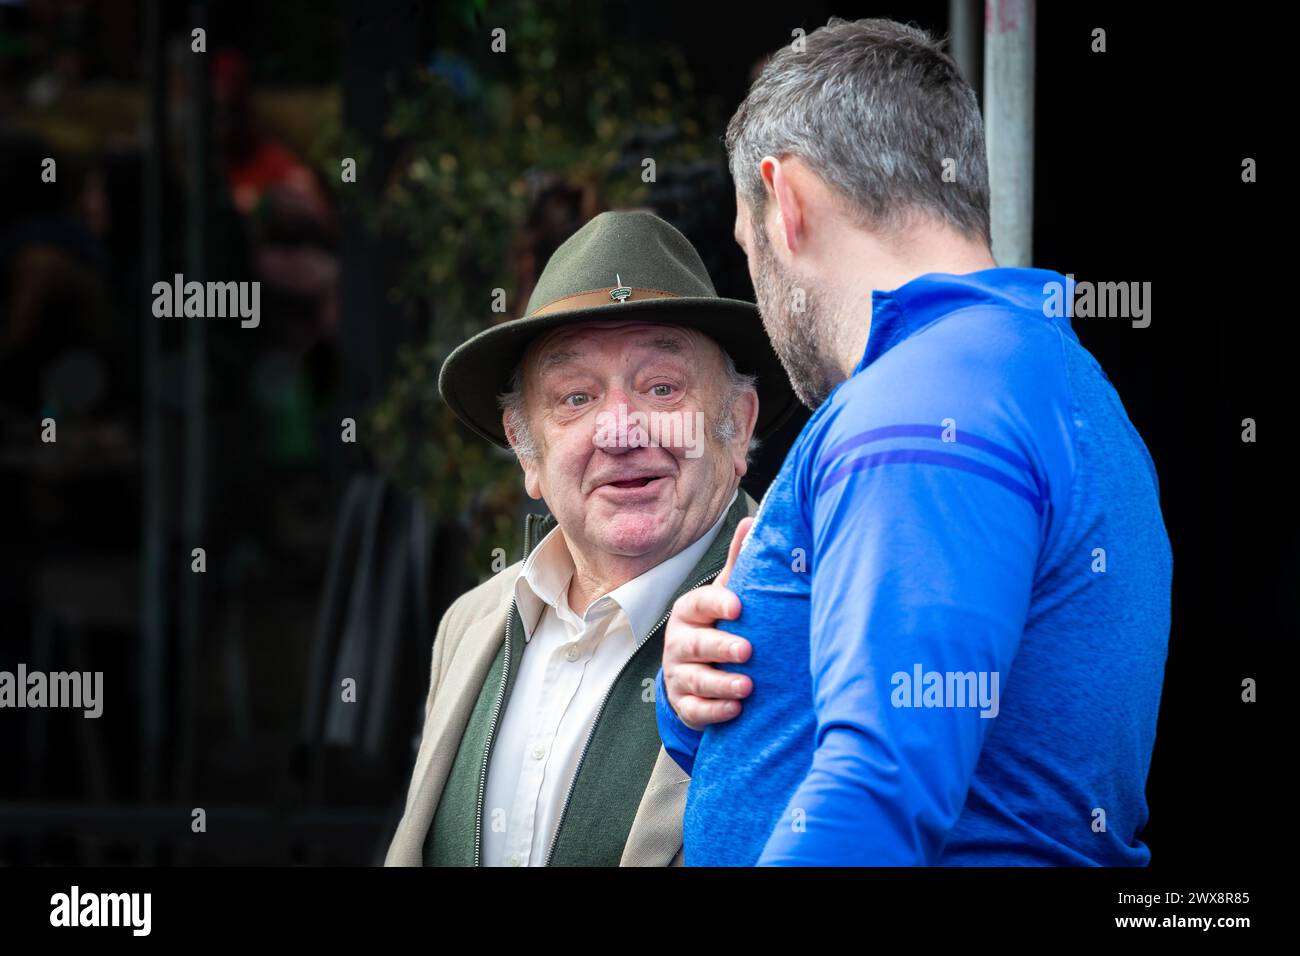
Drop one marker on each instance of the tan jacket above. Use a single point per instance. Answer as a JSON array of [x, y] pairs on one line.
[[468, 638]]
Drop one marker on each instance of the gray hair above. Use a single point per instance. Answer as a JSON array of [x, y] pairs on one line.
[[517, 430], [723, 427], [874, 107]]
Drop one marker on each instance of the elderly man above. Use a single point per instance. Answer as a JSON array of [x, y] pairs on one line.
[[631, 391]]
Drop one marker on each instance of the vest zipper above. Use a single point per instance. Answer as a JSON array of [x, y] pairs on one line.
[[496, 713], [600, 711]]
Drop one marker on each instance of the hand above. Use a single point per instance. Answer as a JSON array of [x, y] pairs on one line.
[[700, 693]]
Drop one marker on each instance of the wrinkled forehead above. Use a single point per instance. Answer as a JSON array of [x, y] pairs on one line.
[[614, 341]]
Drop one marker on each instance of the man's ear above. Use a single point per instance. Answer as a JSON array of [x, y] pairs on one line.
[[745, 415], [529, 465], [786, 205]]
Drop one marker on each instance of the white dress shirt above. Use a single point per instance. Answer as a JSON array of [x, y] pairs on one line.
[[569, 663]]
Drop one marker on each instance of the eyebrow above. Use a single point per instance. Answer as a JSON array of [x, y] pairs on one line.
[[557, 357], [667, 343]]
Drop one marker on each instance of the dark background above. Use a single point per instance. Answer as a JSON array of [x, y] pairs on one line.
[[311, 542]]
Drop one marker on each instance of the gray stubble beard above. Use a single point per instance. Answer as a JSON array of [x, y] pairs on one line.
[[803, 341]]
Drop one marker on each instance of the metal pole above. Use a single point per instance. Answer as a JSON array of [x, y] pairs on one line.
[[152, 566], [195, 471], [964, 40], [1009, 126]]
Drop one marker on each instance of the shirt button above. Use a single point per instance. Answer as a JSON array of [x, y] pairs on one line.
[[539, 753], [514, 859], [571, 652]]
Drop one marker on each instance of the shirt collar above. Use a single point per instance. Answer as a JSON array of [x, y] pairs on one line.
[[543, 581], [898, 314]]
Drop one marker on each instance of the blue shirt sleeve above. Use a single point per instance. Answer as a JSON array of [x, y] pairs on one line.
[[679, 740], [924, 554]]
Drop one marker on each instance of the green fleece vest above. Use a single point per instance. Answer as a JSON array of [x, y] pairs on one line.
[[613, 773]]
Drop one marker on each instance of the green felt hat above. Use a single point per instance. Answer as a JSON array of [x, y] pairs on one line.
[[620, 266]]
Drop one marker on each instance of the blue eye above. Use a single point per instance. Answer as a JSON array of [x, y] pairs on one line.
[[654, 389], [577, 399]]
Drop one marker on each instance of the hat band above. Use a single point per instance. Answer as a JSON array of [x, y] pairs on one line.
[[611, 296]]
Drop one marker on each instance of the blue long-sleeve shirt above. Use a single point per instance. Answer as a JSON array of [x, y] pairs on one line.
[[957, 591]]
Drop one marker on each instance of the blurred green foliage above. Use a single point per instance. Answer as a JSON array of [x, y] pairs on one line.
[[571, 96]]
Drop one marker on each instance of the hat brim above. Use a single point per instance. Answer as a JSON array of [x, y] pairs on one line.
[[479, 369]]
